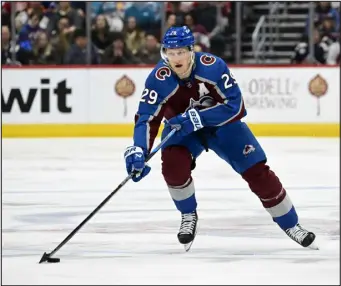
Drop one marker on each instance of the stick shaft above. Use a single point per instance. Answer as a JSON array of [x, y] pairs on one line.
[[153, 152]]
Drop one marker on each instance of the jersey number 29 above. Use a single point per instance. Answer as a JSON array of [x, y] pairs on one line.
[[151, 99], [228, 83]]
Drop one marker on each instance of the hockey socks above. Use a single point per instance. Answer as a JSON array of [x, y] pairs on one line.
[[184, 197], [284, 213]]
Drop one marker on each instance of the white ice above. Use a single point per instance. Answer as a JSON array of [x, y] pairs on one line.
[[51, 185]]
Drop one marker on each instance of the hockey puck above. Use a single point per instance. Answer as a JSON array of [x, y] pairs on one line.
[[53, 260]]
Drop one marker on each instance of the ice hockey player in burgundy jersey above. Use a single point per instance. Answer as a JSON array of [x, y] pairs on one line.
[[197, 94]]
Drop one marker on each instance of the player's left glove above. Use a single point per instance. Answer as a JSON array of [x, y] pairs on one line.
[[135, 162], [186, 123]]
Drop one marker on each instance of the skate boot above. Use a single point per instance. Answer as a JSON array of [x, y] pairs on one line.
[[188, 229], [302, 236]]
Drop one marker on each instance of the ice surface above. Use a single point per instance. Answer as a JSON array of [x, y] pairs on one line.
[[51, 185]]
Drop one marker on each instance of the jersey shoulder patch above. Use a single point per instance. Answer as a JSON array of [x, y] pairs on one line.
[[209, 67], [161, 80], [207, 59], [162, 73]]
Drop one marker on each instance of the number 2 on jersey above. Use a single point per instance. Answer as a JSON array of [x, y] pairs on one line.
[[227, 80], [152, 96]]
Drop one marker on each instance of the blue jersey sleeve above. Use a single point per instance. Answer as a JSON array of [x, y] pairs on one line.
[[150, 112], [227, 88]]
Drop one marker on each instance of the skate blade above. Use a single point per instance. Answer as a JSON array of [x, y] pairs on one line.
[[313, 246], [188, 246]]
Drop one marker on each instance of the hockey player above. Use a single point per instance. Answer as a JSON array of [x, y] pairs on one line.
[[197, 93]]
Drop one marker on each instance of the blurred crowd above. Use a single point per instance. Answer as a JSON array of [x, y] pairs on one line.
[[57, 33], [326, 36], [121, 32]]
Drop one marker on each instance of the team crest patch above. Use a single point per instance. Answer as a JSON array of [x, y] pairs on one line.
[[162, 73], [207, 60]]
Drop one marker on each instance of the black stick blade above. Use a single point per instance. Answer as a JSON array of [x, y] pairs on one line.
[[44, 258]]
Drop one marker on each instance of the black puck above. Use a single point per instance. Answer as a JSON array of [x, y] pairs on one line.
[[53, 260]]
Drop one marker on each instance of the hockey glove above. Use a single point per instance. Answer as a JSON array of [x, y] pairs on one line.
[[135, 162], [186, 123]]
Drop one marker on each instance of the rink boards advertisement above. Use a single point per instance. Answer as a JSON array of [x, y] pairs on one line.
[[102, 101]]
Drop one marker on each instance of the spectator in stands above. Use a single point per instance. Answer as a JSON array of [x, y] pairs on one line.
[[324, 9], [22, 56], [199, 32], [29, 31], [80, 7], [171, 20], [24, 10], [147, 15], [333, 55], [61, 39], [117, 53], [43, 53], [77, 53], [301, 55], [149, 53], [36, 7], [328, 36], [216, 21], [95, 7], [101, 35], [187, 7], [5, 45], [207, 11], [5, 13], [327, 28], [50, 12], [62, 19], [223, 11], [65, 10], [336, 6], [112, 11], [175, 8], [134, 36]]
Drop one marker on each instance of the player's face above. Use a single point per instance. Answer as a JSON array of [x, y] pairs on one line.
[[179, 59]]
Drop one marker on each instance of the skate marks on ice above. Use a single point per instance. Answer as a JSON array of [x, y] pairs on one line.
[[218, 224], [135, 235], [141, 248], [132, 240]]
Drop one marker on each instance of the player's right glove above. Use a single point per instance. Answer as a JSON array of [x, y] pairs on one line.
[[186, 123], [135, 162]]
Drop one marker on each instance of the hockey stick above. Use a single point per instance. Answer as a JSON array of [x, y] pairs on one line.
[[47, 256]]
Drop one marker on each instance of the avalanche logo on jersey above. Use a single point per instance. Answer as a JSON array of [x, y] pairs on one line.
[[202, 102], [248, 149], [207, 60], [162, 73]]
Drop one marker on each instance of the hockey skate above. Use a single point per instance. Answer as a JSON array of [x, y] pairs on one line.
[[188, 229], [302, 236]]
